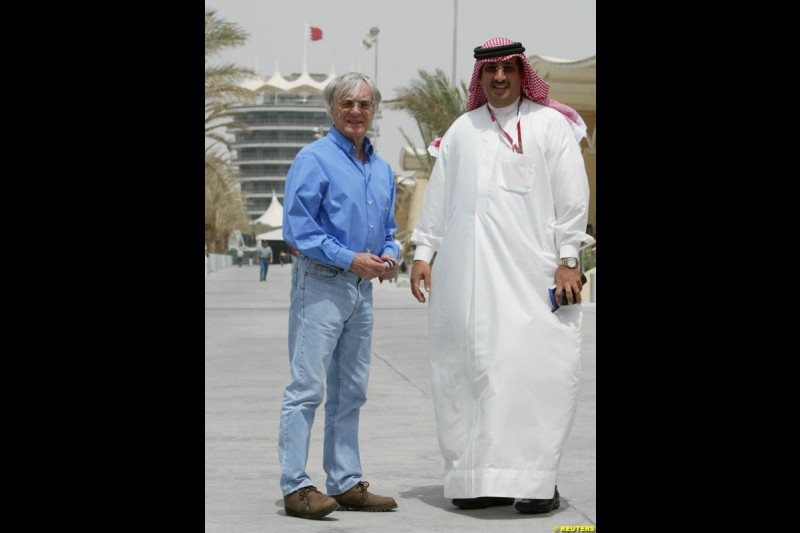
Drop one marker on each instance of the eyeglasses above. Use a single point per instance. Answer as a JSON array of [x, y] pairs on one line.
[[492, 68], [365, 105]]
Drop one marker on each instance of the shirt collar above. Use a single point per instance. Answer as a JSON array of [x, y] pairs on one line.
[[346, 144]]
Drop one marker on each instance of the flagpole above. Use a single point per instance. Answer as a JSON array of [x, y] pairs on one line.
[[305, 38]]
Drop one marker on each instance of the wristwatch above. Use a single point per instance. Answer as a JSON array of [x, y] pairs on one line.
[[569, 262]]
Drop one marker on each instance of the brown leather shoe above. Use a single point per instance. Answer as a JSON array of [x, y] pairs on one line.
[[308, 502], [359, 499]]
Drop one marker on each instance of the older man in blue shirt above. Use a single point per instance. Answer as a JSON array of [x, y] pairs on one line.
[[339, 214]]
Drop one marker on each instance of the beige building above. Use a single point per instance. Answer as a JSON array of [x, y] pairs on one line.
[[574, 83]]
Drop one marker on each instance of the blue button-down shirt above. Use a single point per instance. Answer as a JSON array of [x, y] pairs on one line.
[[335, 206]]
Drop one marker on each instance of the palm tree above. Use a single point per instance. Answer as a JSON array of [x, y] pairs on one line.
[[433, 104], [224, 208], [222, 81]]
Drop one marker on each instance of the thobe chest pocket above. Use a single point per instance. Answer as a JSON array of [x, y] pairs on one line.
[[514, 172]]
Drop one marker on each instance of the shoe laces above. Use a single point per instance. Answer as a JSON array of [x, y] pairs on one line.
[[303, 493], [363, 485]]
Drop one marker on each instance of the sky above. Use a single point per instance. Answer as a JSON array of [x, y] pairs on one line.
[[414, 35]]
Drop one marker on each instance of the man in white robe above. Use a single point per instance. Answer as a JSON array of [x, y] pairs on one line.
[[505, 211]]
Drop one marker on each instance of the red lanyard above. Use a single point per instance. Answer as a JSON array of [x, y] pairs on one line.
[[514, 147]]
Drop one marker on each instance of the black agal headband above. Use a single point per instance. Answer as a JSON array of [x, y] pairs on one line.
[[498, 51]]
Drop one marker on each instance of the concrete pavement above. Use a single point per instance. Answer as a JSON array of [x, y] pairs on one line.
[[246, 369]]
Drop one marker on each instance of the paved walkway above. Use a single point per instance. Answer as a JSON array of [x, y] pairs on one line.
[[246, 369]]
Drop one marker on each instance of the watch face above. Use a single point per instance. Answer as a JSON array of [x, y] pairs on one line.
[[572, 262]]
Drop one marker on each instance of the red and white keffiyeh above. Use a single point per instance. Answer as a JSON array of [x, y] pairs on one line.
[[533, 87]]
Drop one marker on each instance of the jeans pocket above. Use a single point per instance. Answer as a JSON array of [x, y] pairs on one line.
[[323, 272]]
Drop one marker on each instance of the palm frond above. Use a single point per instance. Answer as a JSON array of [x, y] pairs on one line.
[[432, 103], [224, 205], [221, 34]]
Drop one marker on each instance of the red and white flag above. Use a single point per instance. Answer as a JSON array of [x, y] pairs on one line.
[[316, 33]]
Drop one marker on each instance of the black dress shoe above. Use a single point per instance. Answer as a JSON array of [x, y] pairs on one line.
[[539, 506], [481, 503]]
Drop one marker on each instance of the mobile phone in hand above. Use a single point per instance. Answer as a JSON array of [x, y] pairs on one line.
[[554, 305]]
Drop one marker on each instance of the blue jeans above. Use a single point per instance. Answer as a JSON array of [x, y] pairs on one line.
[[330, 343], [264, 268]]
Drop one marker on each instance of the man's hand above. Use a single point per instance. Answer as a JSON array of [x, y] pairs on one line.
[[568, 280], [367, 266], [420, 270], [390, 264]]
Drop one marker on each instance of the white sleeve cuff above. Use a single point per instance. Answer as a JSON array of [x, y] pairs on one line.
[[568, 251], [424, 253]]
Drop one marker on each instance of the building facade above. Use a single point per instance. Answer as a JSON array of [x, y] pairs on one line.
[[290, 113]]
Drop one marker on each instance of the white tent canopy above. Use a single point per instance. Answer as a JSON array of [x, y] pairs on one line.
[[273, 216], [274, 235]]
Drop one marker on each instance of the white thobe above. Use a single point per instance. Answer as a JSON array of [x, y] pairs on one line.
[[504, 368]]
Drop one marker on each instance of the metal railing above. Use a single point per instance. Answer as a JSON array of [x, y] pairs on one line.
[[217, 262]]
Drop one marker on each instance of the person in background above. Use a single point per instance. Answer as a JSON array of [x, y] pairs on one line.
[[239, 257], [264, 252], [505, 210], [339, 214]]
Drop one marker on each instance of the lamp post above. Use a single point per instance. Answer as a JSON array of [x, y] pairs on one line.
[[455, 28], [370, 39], [367, 42]]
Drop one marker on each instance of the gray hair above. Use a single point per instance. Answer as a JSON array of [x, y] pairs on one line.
[[342, 85]]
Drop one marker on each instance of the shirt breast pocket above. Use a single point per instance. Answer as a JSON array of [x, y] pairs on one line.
[[515, 172]]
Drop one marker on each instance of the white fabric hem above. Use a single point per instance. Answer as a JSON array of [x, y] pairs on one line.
[[539, 484]]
